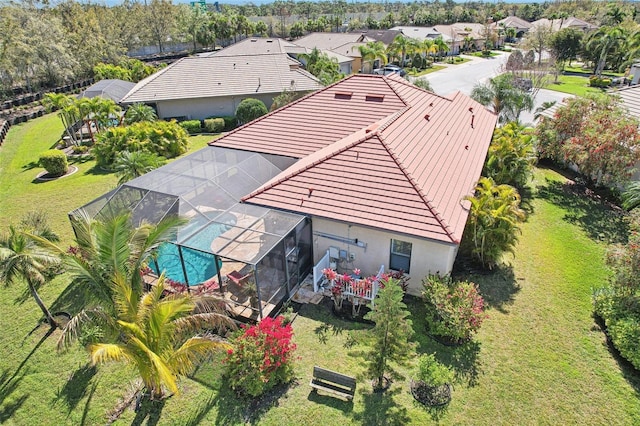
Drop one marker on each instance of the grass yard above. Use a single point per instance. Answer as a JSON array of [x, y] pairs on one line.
[[540, 358], [433, 68], [573, 84]]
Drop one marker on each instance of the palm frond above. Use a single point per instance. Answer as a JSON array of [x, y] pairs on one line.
[[194, 351], [163, 373], [105, 352]]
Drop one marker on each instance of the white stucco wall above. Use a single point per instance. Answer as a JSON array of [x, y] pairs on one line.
[[199, 109], [427, 256]]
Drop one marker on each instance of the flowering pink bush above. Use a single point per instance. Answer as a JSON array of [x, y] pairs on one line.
[[454, 309], [262, 357]]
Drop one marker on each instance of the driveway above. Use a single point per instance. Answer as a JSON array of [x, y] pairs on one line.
[[465, 76]]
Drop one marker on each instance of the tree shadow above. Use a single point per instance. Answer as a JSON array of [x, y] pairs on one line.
[[233, 409], [150, 410], [330, 323], [526, 201], [35, 348], [73, 299], [463, 360], [87, 404], [629, 372], [203, 408], [498, 288], [585, 208], [381, 409], [76, 387], [30, 166], [98, 171], [8, 385]]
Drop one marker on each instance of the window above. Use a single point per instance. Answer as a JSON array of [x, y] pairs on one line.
[[400, 255]]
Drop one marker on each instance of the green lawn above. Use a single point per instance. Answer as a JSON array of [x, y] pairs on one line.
[[539, 358], [433, 68], [573, 84]]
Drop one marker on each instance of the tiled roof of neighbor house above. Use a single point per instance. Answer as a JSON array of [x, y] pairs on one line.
[[109, 89], [385, 36], [329, 41], [338, 57], [569, 22], [421, 33], [514, 22], [257, 46], [239, 75], [375, 151], [350, 49]]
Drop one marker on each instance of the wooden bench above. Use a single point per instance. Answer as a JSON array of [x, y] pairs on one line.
[[332, 381]]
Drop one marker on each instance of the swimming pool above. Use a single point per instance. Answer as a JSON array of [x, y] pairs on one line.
[[198, 265]]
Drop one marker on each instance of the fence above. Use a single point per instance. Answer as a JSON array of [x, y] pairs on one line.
[[318, 276]]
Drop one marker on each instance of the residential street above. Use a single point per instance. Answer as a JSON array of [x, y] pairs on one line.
[[465, 76]]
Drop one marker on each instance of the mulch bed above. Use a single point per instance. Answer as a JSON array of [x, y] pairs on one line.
[[44, 176], [433, 396]]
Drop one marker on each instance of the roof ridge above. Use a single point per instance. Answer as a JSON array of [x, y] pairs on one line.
[[416, 187], [413, 86], [213, 142], [333, 153], [151, 78]]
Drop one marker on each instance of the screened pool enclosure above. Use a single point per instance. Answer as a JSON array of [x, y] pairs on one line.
[[250, 256]]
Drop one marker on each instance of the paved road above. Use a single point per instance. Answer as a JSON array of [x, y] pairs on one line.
[[465, 76]]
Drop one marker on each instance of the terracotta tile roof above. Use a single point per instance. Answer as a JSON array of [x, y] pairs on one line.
[[240, 75], [400, 163]]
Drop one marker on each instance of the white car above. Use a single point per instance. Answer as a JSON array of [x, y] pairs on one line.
[[390, 69]]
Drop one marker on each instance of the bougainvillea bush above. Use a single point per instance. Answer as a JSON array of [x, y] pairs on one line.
[[262, 357], [618, 304], [454, 309]]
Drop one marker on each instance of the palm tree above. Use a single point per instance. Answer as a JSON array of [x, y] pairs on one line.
[[602, 43], [106, 248], [401, 45], [428, 47], [511, 155], [542, 108], [371, 51], [631, 196], [64, 104], [494, 216], [130, 165], [506, 100], [22, 258], [441, 46], [156, 335], [139, 112]]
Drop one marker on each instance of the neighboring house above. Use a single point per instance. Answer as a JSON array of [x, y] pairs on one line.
[[345, 44], [385, 36], [520, 25], [454, 35], [258, 46], [200, 87], [562, 23], [108, 89], [382, 171]]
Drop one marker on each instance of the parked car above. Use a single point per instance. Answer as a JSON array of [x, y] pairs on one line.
[[390, 69]]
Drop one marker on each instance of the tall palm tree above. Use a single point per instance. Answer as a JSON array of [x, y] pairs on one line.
[[602, 43], [22, 258], [66, 111], [428, 46], [501, 94], [371, 51], [400, 45], [130, 165], [139, 112], [156, 335]]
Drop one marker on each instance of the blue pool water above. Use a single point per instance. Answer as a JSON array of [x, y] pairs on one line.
[[199, 266]]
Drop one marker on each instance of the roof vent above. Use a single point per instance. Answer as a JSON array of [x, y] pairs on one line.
[[294, 67], [371, 128], [374, 98], [427, 117], [473, 116], [470, 109], [343, 95]]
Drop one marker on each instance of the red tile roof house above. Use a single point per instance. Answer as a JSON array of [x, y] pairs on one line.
[[382, 169]]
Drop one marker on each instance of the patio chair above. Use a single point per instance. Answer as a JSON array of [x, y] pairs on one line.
[[238, 278]]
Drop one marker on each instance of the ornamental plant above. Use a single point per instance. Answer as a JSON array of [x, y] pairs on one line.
[[431, 372], [455, 310], [261, 358]]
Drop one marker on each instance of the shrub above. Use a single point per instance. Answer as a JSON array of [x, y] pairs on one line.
[[262, 357], [230, 122], [54, 162], [595, 81], [79, 149], [431, 372], [618, 304], [249, 109], [214, 125], [191, 126], [454, 309], [511, 155], [164, 138]]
